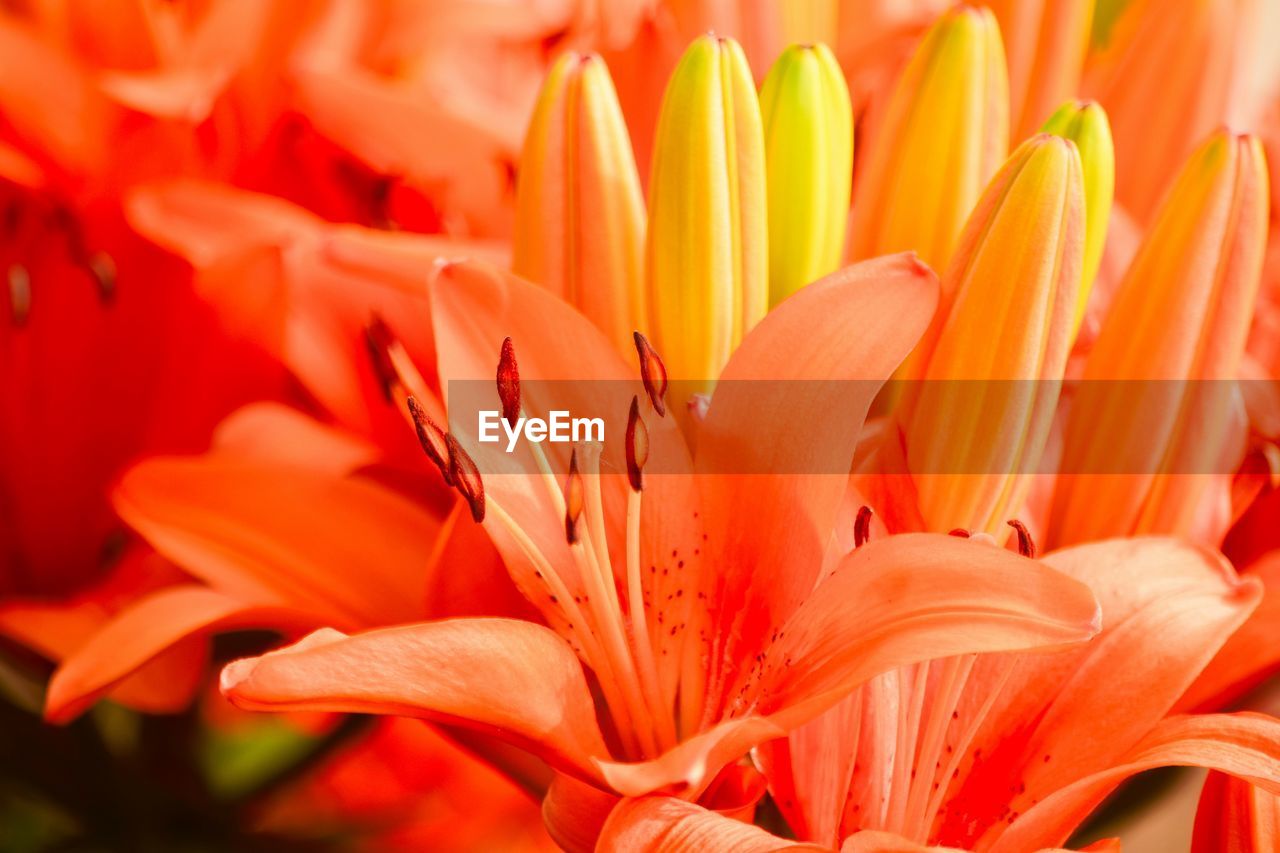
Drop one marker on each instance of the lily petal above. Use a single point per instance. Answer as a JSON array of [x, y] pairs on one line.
[[304, 290], [1245, 745], [885, 842], [277, 433], [913, 593], [780, 435], [574, 812], [1250, 654], [248, 528], [892, 602], [665, 825], [150, 627], [1167, 608], [1235, 817], [514, 680]]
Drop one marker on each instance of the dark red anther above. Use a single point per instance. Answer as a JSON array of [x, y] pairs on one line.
[[509, 383], [574, 499], [654, 374], [862, 526], [433, 439], [637, 439], [466, 477], [379, 339], [960, 532], [1026, 545]]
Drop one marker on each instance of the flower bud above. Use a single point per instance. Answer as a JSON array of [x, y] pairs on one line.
[[979, 421], [944, 134], [1086, 125], [706, 259], [1151, 419], [808, 137], [579, 210]]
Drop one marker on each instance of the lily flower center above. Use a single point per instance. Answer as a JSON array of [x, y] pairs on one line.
[[939, 716], [600, 612]]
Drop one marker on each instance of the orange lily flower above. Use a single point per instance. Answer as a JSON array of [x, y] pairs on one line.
[[91, 316], [718, 645], [1012, 752], [300, 288]]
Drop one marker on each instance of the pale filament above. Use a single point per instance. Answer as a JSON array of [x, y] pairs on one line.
[[624, 659]]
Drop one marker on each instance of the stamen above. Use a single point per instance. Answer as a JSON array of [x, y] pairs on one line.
[[960, 532], [640, 639], [596, 540], [591, 554], [1026, 545], [637, 438], [573, 499], [654, 374], [862, 526], [593, 653], [433, 439], [466, 477], [509, 383], [19, 294]]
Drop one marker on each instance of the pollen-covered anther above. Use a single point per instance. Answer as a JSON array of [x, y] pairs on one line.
[[466, 477], [654, 374], [959, 532], [1026, 545], [379, 339], [19, 294], [637, 440], [862, 526], [509, 383], [574, 499], [433, 439]]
